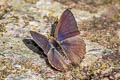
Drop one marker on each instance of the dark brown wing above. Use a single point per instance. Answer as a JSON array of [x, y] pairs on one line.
[[74, 48], [66, 27], [56, 60], [41, 40]]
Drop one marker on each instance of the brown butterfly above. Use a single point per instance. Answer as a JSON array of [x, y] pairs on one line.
[[65, 46]]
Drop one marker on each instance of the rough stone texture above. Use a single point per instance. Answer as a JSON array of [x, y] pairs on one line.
[[22, 59]]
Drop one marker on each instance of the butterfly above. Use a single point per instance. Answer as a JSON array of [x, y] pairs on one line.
[[64, 47]]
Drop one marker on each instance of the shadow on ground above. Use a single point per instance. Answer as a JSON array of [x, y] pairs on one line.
[[36, 49]]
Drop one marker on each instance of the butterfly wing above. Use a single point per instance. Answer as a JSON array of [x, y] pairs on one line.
[[53, 27], [66, 33], [41, 40], [74, 48], [66, 27], [56, 60]]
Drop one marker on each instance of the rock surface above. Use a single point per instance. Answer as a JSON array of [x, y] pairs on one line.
[[22, 59]]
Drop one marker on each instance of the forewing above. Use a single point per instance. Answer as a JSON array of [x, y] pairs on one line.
[[41, 40], [74, 48], [56, 60], [67, 26], [53, 27]]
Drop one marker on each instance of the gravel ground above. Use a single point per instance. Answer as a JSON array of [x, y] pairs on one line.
[[22, 59]]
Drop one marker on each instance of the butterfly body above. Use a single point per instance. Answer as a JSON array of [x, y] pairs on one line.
[[64, 47]]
